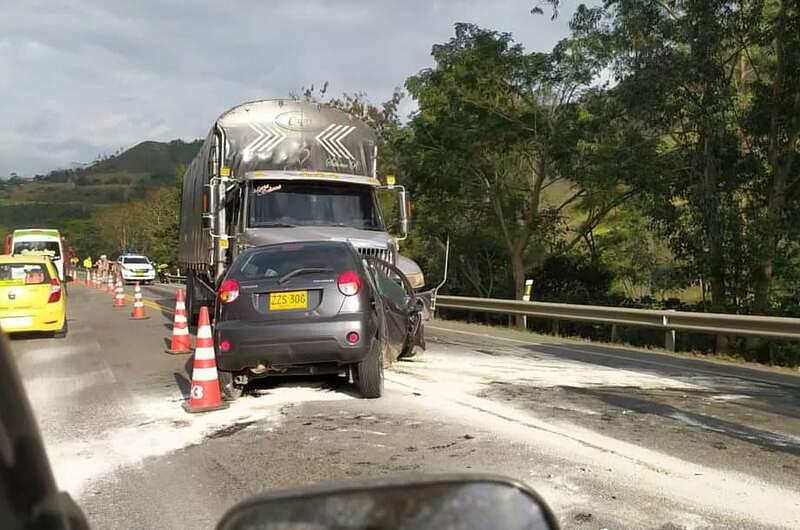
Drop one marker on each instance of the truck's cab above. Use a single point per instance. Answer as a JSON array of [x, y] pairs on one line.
[[40, 242], [276, 171]]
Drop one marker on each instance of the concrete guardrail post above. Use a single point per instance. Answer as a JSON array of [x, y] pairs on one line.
[[669, 335]]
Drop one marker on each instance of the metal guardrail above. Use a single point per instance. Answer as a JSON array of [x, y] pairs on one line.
[[667, 320]]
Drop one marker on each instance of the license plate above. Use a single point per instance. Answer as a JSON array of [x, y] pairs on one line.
[[139, 273], [288, 300], [16, 322]]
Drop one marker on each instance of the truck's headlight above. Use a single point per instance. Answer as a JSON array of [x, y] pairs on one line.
[[416, 280]]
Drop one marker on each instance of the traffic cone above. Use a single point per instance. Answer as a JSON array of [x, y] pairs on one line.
[[88, 278], [119, 295], [138, 305], [110, 283], [181, 342], [204, 394]]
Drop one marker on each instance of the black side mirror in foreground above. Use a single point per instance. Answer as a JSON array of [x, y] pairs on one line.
[[467, 502]]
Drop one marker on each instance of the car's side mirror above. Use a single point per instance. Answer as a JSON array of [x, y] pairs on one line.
[[403, 218], [455, 501]]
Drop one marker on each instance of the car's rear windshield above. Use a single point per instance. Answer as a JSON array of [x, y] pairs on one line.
[[135, 261], [38, 248], [279, 260], [23, 274]]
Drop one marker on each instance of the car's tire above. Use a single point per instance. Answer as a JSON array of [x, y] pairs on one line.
[[368, 374], [230, 390], [61, 333]]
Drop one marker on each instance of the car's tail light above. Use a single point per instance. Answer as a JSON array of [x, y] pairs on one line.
[[349, 283], [228, 291], [352, 337], [225, 345], [55, 291]]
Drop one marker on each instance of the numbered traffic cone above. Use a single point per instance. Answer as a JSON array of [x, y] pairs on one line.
[[181, 342], [119, 295], [138, 304], [204, 394]]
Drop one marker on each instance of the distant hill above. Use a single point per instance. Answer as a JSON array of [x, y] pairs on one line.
[[67, 194], [155, 158], [156, 161]]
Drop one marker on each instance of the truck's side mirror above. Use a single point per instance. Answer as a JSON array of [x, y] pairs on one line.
[[402, 212]]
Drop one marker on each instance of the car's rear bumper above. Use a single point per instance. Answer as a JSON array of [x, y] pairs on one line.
[[132, 277], [49, 319], [291, 343]]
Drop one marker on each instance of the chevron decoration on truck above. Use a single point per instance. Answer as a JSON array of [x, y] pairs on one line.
[[268, 138], [331, 140]]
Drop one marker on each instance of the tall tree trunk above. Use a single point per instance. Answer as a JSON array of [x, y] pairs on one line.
[[779, 169], [716, 258]]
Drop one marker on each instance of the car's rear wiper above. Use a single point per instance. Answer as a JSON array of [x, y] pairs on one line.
[[304, 270]]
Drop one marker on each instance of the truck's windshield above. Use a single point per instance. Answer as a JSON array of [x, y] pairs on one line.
[[312, 204], [43, 248]]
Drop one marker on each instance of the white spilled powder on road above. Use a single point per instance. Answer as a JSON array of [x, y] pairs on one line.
[[476, 370], [161, 426], [47, 388], [649, 472], [34, 357]]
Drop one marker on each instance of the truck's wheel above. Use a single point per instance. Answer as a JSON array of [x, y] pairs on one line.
[[368, 374], [192, 308]]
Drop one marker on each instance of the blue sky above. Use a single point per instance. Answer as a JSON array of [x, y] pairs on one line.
[[83, 77]]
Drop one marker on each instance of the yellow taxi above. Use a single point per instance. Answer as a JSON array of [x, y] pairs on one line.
[[31, 296]]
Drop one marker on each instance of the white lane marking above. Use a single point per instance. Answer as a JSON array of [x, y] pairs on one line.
[[775, 438], [572, 348]]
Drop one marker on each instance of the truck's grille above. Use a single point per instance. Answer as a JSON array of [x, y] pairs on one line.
[[381, 253]]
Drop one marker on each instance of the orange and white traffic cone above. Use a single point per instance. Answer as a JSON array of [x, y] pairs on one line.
[[204, 394], [181, 342], [138, 304], [119, 295], [88, 278], [110, 284]]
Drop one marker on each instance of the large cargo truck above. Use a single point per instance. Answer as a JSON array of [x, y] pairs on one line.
[[40, 242], [276, 171]]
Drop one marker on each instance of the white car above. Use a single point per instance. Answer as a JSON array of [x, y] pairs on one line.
[[136, 268]]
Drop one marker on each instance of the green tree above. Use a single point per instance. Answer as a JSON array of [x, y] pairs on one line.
[[496, 127]]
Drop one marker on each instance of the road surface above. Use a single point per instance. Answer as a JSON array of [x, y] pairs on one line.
[[611, 437]]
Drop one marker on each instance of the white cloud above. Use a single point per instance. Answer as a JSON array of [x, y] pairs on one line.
[[81, 77]]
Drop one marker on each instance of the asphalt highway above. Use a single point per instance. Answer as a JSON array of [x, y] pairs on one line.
[[610, 437]]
